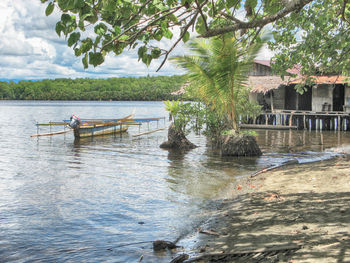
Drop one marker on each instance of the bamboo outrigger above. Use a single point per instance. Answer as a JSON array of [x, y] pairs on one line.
[[96, 127]]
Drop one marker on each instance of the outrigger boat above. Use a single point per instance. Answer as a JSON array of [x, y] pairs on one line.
[[93, 127], [97, 127]]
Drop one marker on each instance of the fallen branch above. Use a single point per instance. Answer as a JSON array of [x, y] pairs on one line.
[[180, 259], [208, 232], [244, 253], [295, 161]]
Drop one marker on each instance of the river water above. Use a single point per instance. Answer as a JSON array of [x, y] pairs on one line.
[[104, 199]]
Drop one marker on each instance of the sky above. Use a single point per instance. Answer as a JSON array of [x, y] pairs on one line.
[[30, 49]]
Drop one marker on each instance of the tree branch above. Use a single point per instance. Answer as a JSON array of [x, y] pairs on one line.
[[202, 15], [145, 27], [236, 20], [179, 39], [139, 12], [297, 5], [134, 37], [342, 11]]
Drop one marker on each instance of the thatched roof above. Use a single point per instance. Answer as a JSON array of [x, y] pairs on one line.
[[263, 84]]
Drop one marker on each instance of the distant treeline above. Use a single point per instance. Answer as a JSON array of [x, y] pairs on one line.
[[145, 88]]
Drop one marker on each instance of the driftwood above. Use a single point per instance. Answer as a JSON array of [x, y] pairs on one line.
[[208, 232], [275, 167], [254, 252], [180, 259]]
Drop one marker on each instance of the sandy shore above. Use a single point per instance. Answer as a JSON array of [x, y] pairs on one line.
[[299, 213]]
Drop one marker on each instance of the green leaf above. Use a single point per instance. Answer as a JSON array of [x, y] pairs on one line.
[[86, 45], [117, 30], [73, 38], [86, 61], [158, 35], [97, 40], [156, 52], [78, 3], [251, 3], [59, 28], [168, 34], [230, 3], [186, 37], [49, 9], [100, 29], [77, 52], [81, 25], [65, 18], [200, 27], [96, 59], [66, 4], [141, 51], [92, 17], [123, 38], [147, 59]]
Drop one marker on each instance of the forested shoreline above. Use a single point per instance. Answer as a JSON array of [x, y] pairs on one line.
[[126, 88]]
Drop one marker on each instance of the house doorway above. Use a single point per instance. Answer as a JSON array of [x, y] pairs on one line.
[[338, 97], [291, 98], [305, 100]]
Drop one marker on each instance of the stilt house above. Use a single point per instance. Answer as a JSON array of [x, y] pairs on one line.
[[330, 93], [325, 105]]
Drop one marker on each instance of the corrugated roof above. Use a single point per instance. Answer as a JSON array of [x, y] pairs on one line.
[[323, 80], [295, 70]]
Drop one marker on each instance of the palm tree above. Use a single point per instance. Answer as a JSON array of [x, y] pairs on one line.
[[218, 70]]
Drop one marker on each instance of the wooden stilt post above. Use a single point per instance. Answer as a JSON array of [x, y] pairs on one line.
[[304, 120], [271, 97], [291, 119]]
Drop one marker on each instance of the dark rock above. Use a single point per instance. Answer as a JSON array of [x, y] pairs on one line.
[[159, 245], [177, 140], [239, 145], [305, 227]]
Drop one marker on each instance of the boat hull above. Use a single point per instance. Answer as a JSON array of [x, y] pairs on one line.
[[97, 130]]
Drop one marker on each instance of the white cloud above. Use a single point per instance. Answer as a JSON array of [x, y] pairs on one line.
[[265, 53], [30, 48]]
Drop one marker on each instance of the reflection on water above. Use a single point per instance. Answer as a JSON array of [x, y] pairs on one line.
[[297, 141], [87, 200]]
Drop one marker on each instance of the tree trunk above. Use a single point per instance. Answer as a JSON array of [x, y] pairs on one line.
[[177, 140], [245, 145]]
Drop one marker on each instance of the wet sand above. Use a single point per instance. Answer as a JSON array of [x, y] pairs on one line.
[[298, 213]]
